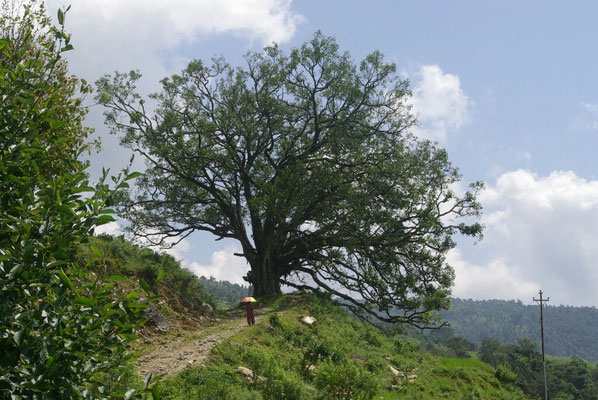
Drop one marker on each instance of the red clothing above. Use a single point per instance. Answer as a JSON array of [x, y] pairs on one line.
[[250, 314]]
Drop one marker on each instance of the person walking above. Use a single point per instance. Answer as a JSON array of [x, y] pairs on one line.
[[249, 309]]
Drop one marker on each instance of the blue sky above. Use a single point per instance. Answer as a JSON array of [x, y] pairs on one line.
[[509, 88]]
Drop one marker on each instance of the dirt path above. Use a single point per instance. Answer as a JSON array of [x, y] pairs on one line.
[[171, 357]]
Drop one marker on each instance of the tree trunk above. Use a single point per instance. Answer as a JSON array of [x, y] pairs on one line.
[[265, 277]]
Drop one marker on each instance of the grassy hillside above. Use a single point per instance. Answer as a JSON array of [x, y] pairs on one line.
[[336, 358], [179, 294]]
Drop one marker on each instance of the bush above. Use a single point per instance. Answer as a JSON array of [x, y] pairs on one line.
[[314, 352], [274, 383], [274, 320], [59, 326], [405, 346], [460, 346], [370, 338], [200, 384], [346, 381], [505, 375]]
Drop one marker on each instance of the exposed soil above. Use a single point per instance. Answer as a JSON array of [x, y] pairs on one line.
[[170, 355]]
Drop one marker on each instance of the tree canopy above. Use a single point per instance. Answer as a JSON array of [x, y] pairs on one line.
[[307, 161]]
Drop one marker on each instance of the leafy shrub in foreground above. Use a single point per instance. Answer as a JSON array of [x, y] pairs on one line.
[[59, 325]]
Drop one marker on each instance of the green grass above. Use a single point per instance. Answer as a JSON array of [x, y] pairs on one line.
[[281, 349]]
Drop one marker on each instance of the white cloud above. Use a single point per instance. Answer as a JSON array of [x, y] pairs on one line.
[[439, 102], [541, 232], [122, 35], [496, 279], [224, 266], [111, 228]]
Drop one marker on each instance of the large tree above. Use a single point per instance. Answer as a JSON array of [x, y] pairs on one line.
[[307, 161]]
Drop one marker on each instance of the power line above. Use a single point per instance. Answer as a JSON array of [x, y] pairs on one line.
[[573, 343], [561, 341]]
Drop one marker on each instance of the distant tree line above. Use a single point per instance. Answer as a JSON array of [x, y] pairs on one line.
[[520, 364], [569, 331], [224, 293]]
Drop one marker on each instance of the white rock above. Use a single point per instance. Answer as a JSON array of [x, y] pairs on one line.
[[396, 372], [307, 320], [245, 371]]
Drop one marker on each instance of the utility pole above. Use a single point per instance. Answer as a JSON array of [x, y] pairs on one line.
[[542, 301]]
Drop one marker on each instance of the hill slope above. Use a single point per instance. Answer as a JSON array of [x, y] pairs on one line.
[[335, 358], [199, 351], [568, 331]]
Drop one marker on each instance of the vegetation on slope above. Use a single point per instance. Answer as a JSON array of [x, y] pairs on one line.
[[569, 331], [182, 299], [224, 293], [336, 358], [567, 378]]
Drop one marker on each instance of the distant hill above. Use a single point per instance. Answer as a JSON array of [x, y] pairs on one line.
[[568, 331], [224, 293]]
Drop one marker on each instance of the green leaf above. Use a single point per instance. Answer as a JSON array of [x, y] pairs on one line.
[[65, 280], [61, 139], [4, 43], [96, 251], [83, 189], [132, 295], [156, 394], [161, 275], [144, 284], [86, 301], [133, 175], [56, 263], [14, 271], [67, 47], [11, 179], [104, 219], [123, 185], [33, 149], [60, 17], [49, 362]]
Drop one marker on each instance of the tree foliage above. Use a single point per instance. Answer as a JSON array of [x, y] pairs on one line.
[[58, 326], [569, 331], [225, 293], [521, 363], [306, 160]]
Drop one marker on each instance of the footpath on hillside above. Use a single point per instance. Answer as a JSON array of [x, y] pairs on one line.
[[170, 357]]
